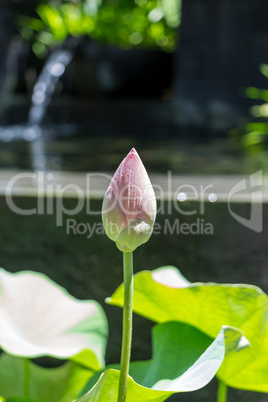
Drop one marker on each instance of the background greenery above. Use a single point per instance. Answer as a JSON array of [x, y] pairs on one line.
[[127, 23]]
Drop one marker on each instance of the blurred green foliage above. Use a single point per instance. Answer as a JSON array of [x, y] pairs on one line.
[[254, 134], [126, 23]]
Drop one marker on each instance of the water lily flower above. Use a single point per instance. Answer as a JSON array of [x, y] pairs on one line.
[[129, 205]]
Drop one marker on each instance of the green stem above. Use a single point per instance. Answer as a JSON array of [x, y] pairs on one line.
[[26, 377], [127, 325], [222, 392]]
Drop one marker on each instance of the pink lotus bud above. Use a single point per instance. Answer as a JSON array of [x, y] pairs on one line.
[[129, 205]]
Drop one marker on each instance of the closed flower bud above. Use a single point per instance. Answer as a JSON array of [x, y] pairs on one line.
[[129, 205]]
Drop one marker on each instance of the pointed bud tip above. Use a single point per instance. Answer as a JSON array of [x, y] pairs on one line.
[[133, 152]]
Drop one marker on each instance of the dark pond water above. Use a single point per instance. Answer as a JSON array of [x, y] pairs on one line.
[[91, 268], [73, 148]]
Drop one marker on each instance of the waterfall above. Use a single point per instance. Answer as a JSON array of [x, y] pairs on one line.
[[46, 83], [41, 98], [43, 91]]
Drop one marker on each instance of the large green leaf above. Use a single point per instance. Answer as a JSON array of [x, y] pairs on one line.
[[184, 359], [61, 384], [22, 400], [38, 317], [164, 295], [106, 389]]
